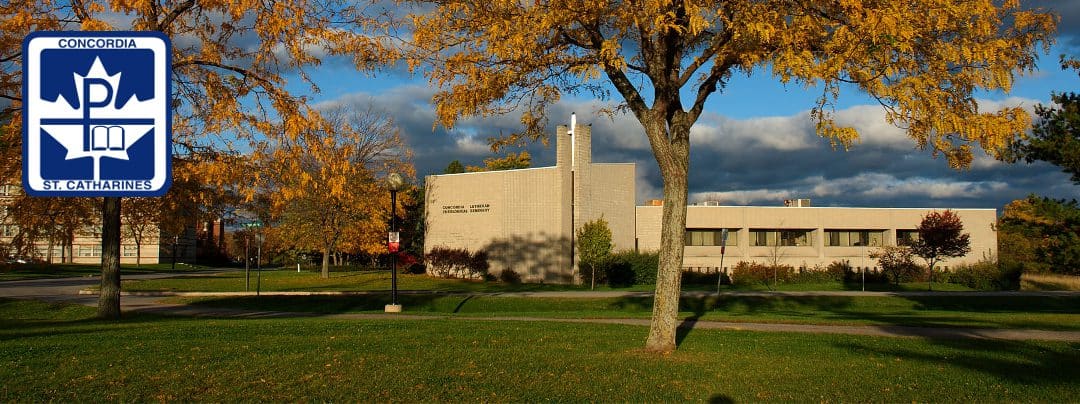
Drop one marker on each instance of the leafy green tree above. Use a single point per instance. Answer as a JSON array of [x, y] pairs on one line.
[[455, 167], [1055, 138], [593, 248], [1042, 234], [941, 236]]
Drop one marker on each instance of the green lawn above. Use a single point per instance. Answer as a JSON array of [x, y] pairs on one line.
[[1024, 312], [289, 280], [11, 272], [57, 353]]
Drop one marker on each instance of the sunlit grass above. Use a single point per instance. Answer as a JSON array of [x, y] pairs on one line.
[[1030, 281]]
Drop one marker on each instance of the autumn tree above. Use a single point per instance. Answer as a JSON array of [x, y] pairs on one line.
[[511, 161], [229, 63], [328, 184], [1055, 138], [54, 221], [140, 219], [921, 59], [941, 237]]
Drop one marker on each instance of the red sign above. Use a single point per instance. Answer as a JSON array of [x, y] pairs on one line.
[[393, 241]]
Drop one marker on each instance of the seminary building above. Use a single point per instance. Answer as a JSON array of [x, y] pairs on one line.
[[526, 220]]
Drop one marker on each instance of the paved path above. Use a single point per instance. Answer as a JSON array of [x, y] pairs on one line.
[[68, 290]]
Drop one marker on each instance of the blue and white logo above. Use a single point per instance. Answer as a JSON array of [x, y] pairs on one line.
[[96, 114]]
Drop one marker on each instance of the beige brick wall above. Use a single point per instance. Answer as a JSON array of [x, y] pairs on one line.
[[977, 222], [525, 219]]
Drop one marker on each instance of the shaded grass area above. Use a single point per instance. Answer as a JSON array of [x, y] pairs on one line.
[[11, 272], [1024, 312], [290, 280], [57, 353]]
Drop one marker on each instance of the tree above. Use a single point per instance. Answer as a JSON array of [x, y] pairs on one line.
[[454, 167], [1041, 234], [921, 59], [141, 217], [327, 182], [511, 161], [1055, 138], [896, 261], [940, 237], [593, 248], [53, 220], [228, 67]]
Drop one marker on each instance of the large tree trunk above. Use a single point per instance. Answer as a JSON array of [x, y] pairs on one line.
[[109, 300], [326, 262], [674, 165]]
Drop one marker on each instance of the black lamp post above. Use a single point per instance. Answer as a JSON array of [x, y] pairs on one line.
[[394, 183], [175, 241]]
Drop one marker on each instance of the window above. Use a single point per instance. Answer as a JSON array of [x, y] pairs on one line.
[[711, 237], [854, 238], [784, 238], [9, 230], [43, 251], [130, 251], [906, 237], [9, 190], [90, 251]]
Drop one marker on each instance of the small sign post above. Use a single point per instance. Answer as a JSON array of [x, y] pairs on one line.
[[394, 241], [723, 247]]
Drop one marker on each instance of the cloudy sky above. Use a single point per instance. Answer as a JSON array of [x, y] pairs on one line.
[[755, 144]]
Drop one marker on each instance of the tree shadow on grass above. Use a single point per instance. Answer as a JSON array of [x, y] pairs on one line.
[[374, 302], [745, 305], [1016, 361], [43, 323]]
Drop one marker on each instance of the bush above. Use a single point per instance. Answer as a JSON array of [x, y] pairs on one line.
[[987, 275], [509, 276], [699, 278], [816, 274], [640, 266], [749, 273], [619, 276], [457, 262], [898, 262]]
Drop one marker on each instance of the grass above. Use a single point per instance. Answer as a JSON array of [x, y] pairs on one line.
[[58, 353], [1030, 281], [289, 280], [11, 272], [1022, 312]]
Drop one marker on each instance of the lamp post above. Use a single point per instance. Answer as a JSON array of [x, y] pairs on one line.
[[394, 183], [175, 241]]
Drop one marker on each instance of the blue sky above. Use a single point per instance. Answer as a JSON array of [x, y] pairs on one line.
[[754, 144]]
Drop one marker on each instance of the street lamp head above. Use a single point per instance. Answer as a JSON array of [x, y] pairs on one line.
[[394, 182]]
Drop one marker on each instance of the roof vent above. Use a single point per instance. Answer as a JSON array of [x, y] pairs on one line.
[[797, 203]]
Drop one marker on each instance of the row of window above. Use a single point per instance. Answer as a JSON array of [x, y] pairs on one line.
[[796, 237], [87, 251]]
